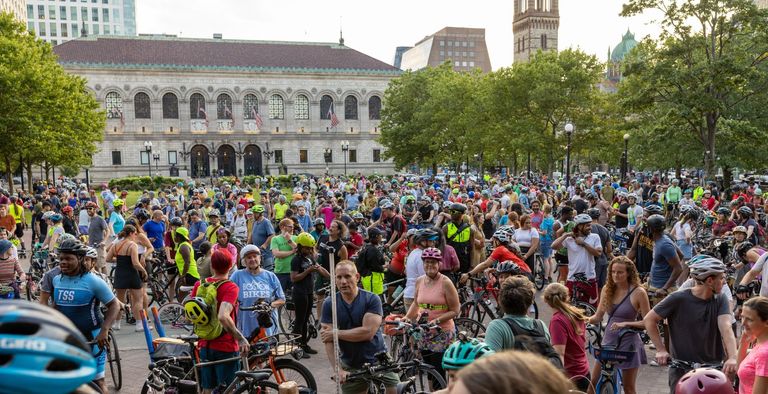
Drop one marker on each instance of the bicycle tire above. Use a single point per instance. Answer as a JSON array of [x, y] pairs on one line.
[[533, 311], [115, 366], [539, 276], [607, 387], [285, 318], [588, 309], [472, 327], [476, 310], [395, 344], [424, 378], [287, 364], [172, 315], [33, 287]]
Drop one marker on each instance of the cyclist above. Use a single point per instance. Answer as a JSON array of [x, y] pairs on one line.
[[568, 331], [255, 285], [753, 376], [55, 230], [57, 342], [666, 265], [672, 197], [502, 251], [78, 294], [699, 322], [516, 295], [583, 246], [745, 218], [460, 354], [371, 263], [359, 330], [185, 257], [98, 233], [562, 225], [624, 299], [458, 234], [601, 261], [682, 232], [10, 268], [749, 254]]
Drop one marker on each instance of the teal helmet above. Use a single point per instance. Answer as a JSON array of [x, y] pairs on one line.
[[463, 352]]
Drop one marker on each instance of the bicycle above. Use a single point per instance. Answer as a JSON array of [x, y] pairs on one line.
[[419, 376], [38, 266], [609, 357], [579, 295], [483, 302], [286, 316], [539, 271], [113, 360]]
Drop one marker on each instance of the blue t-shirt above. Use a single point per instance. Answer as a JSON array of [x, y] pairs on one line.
[[352, 202], [663, 250], [155, 232], [355, 354], [117, 221], [548, 228], [261, 231], [265, 286], [195, 228], [79, 298]]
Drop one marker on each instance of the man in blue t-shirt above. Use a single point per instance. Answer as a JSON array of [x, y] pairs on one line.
[[78, 294], [256, 284], [359, 316], [155, 229], [666, 266], [197, 228], [261, 236]]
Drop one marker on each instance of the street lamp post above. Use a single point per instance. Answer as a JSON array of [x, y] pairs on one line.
[[568, 132], [344, 150], [213, 154], [327, 156], [156, 158], [625, 172], [148, 149], [267, 155]]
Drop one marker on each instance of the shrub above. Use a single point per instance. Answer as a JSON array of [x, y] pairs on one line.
[[144, 182]]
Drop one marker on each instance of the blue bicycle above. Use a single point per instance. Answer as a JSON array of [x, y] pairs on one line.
[[610, 376]]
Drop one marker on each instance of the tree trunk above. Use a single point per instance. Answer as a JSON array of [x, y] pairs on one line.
[[29, 175], [434, 168], [726, 187], [710, 146], [9, 173]]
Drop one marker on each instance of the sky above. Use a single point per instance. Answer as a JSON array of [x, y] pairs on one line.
[[377, 28]]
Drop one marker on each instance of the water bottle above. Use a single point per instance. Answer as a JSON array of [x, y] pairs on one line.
[[398, 291]]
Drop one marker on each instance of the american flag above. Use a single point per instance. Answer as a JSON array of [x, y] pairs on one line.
[[201, 110], [117, 112], [332, 115], [227, 112], [257, 117]]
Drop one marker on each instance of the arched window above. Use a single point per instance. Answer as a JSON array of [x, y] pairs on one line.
[[224, 106], [301, 107], [170, 106], [374, 108], [197, 106], [114, 105], [325, 107], [250, 106], [141, 107], [276, 107], [350, 107]]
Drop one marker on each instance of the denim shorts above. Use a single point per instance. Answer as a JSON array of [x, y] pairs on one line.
[[217, 374]]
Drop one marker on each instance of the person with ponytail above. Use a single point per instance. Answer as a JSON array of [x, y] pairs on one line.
[[568, 332]]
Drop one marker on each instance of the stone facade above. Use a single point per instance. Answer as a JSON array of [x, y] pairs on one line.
[[234, 145], [535, 26]]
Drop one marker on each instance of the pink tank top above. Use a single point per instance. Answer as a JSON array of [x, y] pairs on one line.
[[433, 301]]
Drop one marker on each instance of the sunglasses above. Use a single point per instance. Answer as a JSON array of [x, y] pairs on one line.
[[455, 211]]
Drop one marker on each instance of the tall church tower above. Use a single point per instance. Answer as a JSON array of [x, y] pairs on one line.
[[535, 25]]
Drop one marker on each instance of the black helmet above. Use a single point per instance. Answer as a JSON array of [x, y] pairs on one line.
[[653, 209], [426, 234], [723, 211], [594, 213], [142, 215], [745, 210], [374, 232], [458, 207], [742, 249], [72, 246], [177, 222], [656, 222]]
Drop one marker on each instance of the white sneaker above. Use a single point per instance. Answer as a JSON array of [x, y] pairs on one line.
[[140, 327], [653, 363], [116, 326]]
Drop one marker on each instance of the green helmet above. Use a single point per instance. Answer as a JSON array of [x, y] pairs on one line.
[[463, 352], [258, 208], [306, 239]]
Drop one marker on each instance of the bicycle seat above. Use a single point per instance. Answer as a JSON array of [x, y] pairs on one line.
[[189, 338], [580, 276], [186, 289], [257, 375]]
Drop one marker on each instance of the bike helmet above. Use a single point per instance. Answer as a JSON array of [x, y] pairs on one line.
[[197, 310], [745, 210], [142, 215], [91, 204], [358, 215], [258, 208], [463, 352], [72, 246], [432, 253], [723, 211], [67, 209], [42, 350], [427, 235], [704, 381], [66, 237], [703, 266], [653, 209], [118, 203], [593, 213], [56, 218], [509, 266], [177, 222], [501, 236], [387, 205], [461, 208], [91, 252], [740, 250], [656, 222], [685, 209], [509, 230], [374, 232], [739, 229], [632, 195], [305, 239], [249, 249], [319, 222], [582, 218]]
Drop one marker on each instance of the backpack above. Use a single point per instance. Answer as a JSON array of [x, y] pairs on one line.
[[208, 291], [534, 341]]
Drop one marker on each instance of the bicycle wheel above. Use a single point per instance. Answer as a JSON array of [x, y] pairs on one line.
[[113, 359], [588, 309], [607, 387], [172, 315], [533, 311], [394, 345], [472, 327], [292, 370], [286, 315], [476, 310], [539, 276], [33, 287], [424, 378]]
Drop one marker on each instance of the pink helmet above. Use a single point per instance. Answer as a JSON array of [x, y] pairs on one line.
[[704, 381], [431, 253]]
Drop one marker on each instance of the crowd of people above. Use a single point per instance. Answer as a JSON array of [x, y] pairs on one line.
[[632, 250]]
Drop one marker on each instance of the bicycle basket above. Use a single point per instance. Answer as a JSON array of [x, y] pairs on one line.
[[170, 347], [612, 355], [283, 344], [390, 329]]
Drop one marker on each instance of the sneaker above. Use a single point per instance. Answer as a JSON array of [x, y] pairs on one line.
[[304, 355], [116, 326], [309, 350], [140, 327], [653, 363]]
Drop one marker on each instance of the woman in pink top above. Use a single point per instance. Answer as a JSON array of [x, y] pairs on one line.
[[753, 364], [437, 297], [567, 330], [222, 243]]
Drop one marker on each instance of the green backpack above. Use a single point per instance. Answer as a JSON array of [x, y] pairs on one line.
[[208, 292]]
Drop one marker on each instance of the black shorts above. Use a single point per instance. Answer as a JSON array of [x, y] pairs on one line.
[[561, 259], [19, 230], [390, 276]]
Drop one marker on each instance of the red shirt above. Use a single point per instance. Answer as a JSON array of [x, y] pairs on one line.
[[226, 292], [562, 332], [502, 254], [397, 265], [357, 240], [708, 203]]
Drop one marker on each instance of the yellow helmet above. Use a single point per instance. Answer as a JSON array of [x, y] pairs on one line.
[[305, 239], [118, 202], [196, 310]]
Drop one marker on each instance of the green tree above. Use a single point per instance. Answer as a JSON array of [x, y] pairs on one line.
[[709, 60], [45, 113]]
